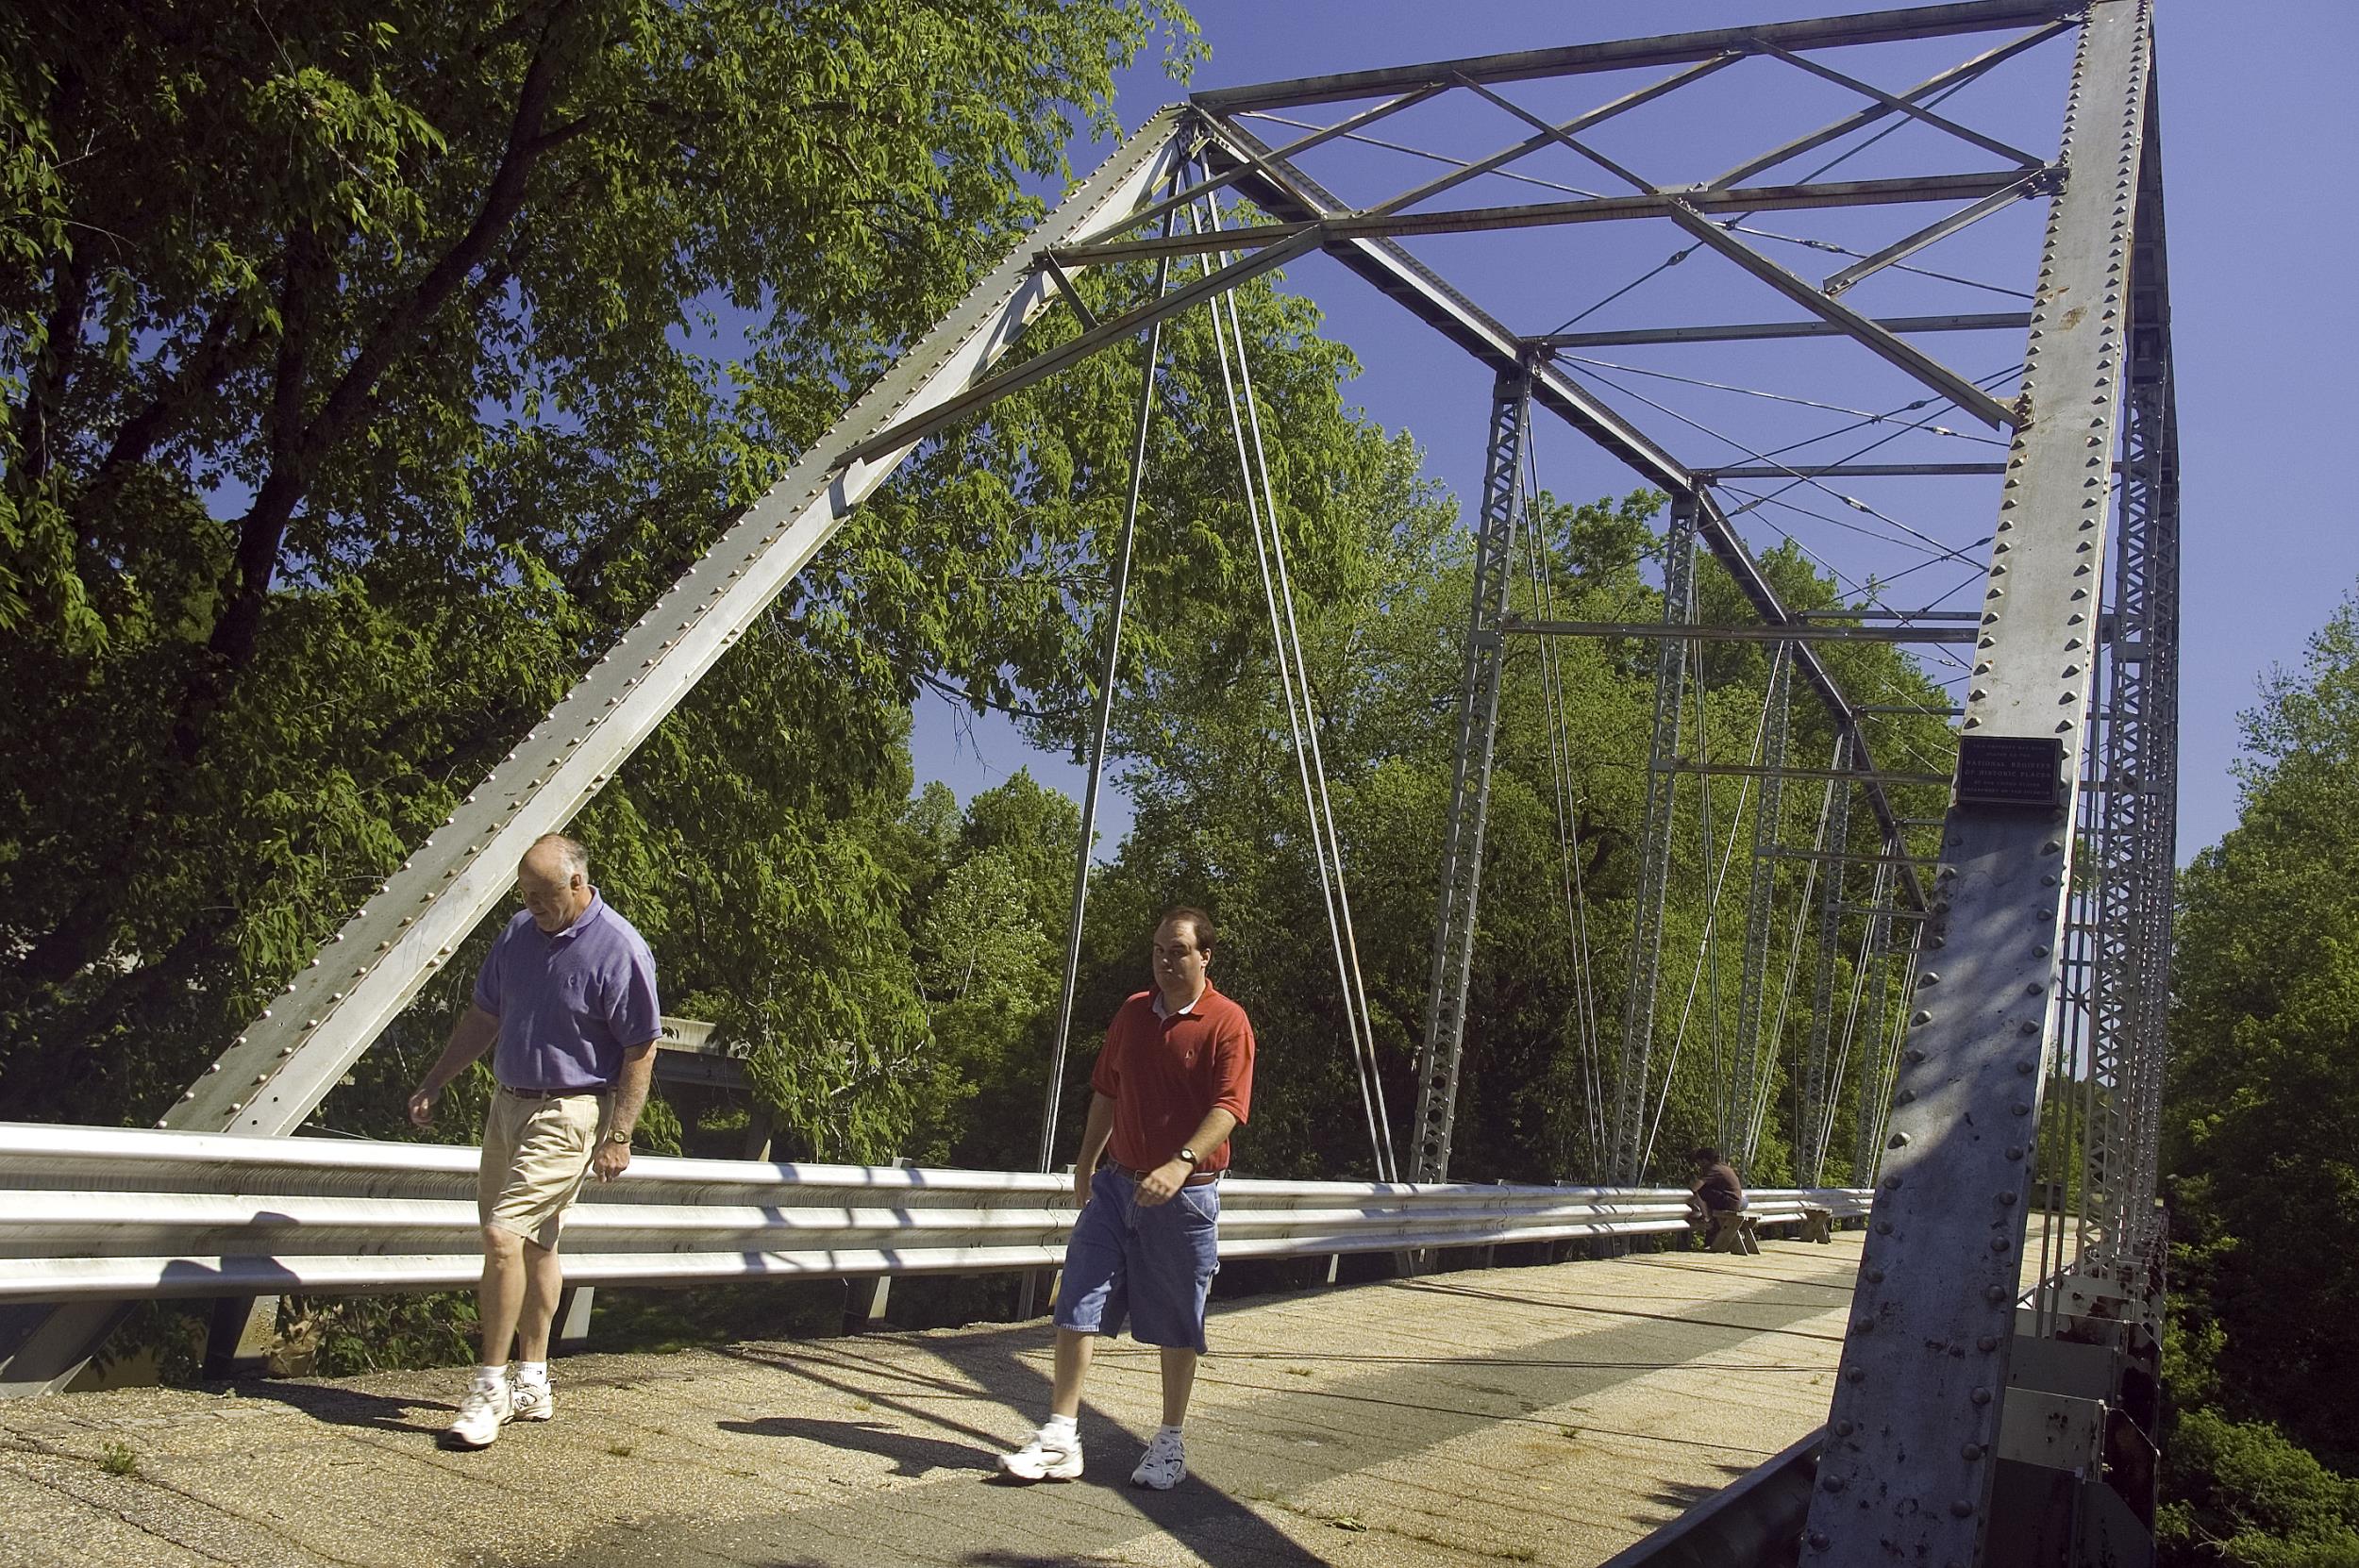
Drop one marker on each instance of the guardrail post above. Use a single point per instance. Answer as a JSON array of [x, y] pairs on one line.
[[239, 1337], [571, 1334]]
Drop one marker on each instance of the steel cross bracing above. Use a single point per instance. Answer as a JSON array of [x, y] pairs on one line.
[[1909, 1467], [276, 1072], [1655, 844], [1470, 774]]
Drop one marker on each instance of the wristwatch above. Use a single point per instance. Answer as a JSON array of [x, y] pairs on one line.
[[618, 1137], [1190, 1155]]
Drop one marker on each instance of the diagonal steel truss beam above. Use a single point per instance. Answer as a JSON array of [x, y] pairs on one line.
[[271, 1077], [1893, 349], [1907, 104], [1956, 75]]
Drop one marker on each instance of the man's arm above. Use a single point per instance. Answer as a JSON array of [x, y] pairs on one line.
[[1173, 1174], [630, 1097], [1095, 1131], [474, 1034]]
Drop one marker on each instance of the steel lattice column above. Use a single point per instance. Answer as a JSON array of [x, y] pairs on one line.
[[1655, 845], [1753, 1053], [1470, 776], [2149, 516], [2138, 799], [1809, 1139], [1908, 1470]]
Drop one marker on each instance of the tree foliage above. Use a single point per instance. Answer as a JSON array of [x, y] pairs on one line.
[[2261, 1137], [365, 368]]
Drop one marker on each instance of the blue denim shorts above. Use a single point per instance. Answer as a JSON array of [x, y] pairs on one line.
[[1151, 1263]]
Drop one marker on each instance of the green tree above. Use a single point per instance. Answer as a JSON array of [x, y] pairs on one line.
[[2260, 1138], [365, 368]]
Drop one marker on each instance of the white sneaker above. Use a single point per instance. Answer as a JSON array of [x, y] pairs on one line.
[[480, 1414], [531, 1401], [1044, 1458], [1165, 1464]]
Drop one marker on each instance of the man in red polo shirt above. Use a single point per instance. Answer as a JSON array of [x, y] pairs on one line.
[[1175, 1078]]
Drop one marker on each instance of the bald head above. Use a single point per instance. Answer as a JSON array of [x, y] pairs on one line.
[[554, 877]]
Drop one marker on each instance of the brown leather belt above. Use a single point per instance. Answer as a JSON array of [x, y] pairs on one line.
[[1201, 1178], [548, 1093]]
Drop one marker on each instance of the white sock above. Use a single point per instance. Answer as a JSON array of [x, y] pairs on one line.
[[532, 1372], [1059, 1427], [1167, 1431], [490, 1377]]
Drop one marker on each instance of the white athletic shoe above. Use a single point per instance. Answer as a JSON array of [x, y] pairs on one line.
[[531, 1401], [1165, 1464], [1044, 1458], [481, 1415]]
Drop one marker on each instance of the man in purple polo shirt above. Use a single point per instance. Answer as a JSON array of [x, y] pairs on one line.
[[568, 993]]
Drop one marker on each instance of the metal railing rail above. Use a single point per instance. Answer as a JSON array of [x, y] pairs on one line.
[[109, 1213]]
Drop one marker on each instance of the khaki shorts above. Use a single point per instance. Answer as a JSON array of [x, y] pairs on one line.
[[536, 1155]]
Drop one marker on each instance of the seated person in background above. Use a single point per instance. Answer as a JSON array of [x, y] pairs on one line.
[[1716, 1190]]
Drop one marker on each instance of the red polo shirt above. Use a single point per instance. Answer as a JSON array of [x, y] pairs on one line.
[[1166, 1074]]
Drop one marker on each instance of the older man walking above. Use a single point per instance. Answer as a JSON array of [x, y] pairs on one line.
[[567, 993], [1175, 1078]]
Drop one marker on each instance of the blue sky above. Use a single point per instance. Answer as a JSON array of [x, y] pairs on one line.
[[2262, 316]]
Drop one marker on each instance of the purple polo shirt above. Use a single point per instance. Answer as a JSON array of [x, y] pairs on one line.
[[569, 1005]]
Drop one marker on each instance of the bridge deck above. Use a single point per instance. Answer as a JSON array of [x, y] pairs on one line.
[[1546, 1415]]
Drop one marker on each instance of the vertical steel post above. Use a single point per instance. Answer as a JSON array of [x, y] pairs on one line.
[[2149, 523], [2136, 796], [1753, 1053], [1655, 846], [1908, 1470], [1470, 774], [1809, 1141]]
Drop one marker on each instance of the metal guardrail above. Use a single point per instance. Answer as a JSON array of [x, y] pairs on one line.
[[110, 1213]]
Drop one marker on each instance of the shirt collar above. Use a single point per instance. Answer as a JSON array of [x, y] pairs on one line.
[[1161, 1011], [589, 917]]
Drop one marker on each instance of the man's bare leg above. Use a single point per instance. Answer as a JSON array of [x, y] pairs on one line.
[[501, 1297], [1178, 1382], [545, 1281], [1074, 1349]]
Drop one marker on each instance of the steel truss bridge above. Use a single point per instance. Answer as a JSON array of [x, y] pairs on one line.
[[2025, 927]]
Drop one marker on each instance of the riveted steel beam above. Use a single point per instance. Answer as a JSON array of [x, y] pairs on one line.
[[1907, 1472]]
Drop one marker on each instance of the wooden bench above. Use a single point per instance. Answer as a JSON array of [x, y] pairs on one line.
[[1818, 1225], [1732, 1230]]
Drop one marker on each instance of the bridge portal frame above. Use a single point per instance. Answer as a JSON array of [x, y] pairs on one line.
[[1916, 1409]]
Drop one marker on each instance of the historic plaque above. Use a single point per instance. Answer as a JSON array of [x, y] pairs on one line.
[[2011, 770]]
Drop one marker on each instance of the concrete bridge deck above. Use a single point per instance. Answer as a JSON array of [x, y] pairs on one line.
[[1541, 1416]]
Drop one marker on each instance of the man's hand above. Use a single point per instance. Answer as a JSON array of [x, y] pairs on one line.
[[1081, 1179], [1159, 1184], [612, 1159], [422, 1106]]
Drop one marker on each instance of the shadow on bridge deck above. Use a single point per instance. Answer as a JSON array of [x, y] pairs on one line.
[[1545, 1415]]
